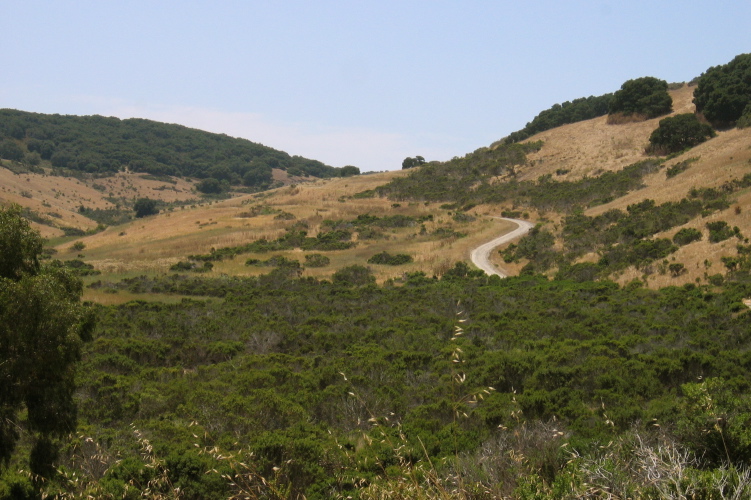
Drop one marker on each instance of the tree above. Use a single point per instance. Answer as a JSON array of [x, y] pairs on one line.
[[145, 207], [646, 96], [9, 150], [412, 162], [723, 94], [349, 171], [677, 133], [42, 323], [258, 174], [210, 186]]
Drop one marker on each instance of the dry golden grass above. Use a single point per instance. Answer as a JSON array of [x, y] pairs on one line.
[[58, 198], [588, 147], [153, 244]]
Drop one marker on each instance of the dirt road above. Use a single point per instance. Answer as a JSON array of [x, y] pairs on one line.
[[480, 255]]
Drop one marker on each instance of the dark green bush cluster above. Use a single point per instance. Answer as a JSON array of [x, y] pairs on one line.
[[277, 261], [723, 94], [80, 268], [720, 231], [677, 133], [316, 260], [187, 265], [646, 96], [574, 111], [537, 246], [101, 144], [145, 207], [385, 258], [686, 235]]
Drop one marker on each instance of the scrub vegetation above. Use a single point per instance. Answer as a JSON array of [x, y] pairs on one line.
[[328, 340]]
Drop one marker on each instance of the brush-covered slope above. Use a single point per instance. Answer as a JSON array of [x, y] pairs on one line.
[[74, 173]]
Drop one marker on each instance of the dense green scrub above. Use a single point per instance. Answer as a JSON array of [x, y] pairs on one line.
[[107, 144], [298, 369]]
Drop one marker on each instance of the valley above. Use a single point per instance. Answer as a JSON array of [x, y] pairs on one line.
[[272, 327]]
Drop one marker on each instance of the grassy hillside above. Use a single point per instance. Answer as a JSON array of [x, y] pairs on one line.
[[575, 166], [328, 339]]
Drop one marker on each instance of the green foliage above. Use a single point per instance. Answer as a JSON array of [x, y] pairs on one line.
[[41, 326], [720, 231], [714, 420], [184, 265], [537, 245], [20, 245], [686, 235], [258, 175], [677, 133], [10, 150], [723, 94], [100, 144], [412, 162], [386, 258], [647, 96], [353, 276], [211, 186], [581, 109], [316, 260], [144, 207], [349, 171]]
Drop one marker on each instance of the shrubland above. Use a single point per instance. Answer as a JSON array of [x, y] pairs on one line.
[[334, 366]]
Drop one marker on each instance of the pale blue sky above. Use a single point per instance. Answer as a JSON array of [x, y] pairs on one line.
[[364, 83]]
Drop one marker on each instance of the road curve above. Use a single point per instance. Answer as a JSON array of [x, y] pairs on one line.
[[480, 256]]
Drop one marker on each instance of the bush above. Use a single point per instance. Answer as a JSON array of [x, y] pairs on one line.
[[145, 207], [354, 276], [210, 186], [719, 231], [686, 235], [316, 260], [647, 96], [390, 260], [723, 95], [349, 171], [9, 150], [677, 133]]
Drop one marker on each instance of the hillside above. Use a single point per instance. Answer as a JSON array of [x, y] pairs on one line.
[[328, 338], [569, 153]]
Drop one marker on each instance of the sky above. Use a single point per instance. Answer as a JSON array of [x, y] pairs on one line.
[[364, 83]]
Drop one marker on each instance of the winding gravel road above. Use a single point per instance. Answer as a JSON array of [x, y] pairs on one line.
[[480, 255]]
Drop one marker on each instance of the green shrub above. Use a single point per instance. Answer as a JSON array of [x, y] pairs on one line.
[[386, 258], [316, 260], [354, 276], [723, 95], [719, 231], [677, 133], [686, 235], [647, 96], [145, 207]]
